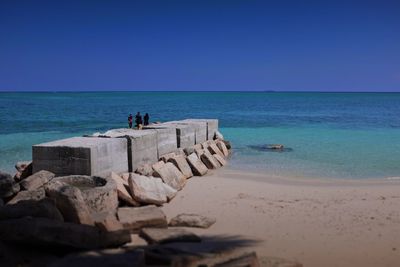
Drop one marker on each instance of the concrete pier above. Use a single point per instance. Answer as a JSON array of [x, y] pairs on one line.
[[185, 133], [211, 126], [166, 138], [81, 155]]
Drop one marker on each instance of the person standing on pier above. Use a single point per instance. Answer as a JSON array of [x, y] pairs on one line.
[[130, 119], [138, 120], [146, 119]]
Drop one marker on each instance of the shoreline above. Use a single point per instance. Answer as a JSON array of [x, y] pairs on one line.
[[315, 222]]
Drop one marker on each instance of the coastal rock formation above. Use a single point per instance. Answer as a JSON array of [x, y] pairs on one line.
[[214, 149], [221, 145], [209, 160], [167, 235], [37, 194], [150, 190], [37, 180], [145, 170], [122, 190], [44, 208], [24, 169], [8, 187], [134, 219], [196, 165], [169, 174], [192, 220], [180, 162], [220, 159], [70, 202]]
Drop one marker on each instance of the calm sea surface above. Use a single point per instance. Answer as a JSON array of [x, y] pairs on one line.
[[331, 135]]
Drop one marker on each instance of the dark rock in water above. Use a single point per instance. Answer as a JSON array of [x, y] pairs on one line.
[[7, 185], [271, 148]]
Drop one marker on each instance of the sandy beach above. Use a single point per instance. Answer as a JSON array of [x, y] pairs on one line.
[[316, 222]]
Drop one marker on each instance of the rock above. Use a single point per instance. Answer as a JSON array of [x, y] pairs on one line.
[[181, 163], [145, 170], [227, 144], [221, 145], [43, 231], [108, 223], [122, 190], [275, 147], [99, 193], [214, 149], [210, 161], [150, 190], [192, 220], [21, 165], [70, 202], [44, 208], [218, 135], [37, 180], [8, 187], [220, 159], [166, 157], [169, 174], [133, 219], [206, 144], [167, 235], [188, 150], [36, 195], [199, 151], [196, 165]]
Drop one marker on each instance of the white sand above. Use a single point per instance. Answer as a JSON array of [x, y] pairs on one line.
[[316, 222]]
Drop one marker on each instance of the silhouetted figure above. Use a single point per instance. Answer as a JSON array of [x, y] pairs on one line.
[[138, 120], [130, 119], [146, 119]]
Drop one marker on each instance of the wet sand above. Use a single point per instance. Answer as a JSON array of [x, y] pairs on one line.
[[316, 222]]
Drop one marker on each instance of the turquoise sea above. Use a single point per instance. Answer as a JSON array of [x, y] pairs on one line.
[[331, 135]]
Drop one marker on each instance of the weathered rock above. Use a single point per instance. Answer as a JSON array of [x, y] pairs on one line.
[[210, 161], [122, 190], [220, 159], [8, 187], [214, 149], [228, 144], [150, 190], [180, 162], [166, 157], [188, 150], [43, 231], [275, 147], [218, 135], [99, 193], [37, 180], [170, 175], [44, 208], [37, 194], [70, 202], [108, 223], [205, 144], [199, 151], [145, 170], [168, 235], [196, 165], [21, 165], [221, 145], [133, 219], [192, 220]]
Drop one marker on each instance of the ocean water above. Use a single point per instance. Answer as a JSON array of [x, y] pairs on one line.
[[330, 135]]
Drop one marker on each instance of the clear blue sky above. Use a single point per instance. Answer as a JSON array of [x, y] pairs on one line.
[[200, 45]]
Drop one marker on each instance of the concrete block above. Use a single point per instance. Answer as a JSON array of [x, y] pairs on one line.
[[211, 125], [81, 155], [185, 133], [142, 146], [200, 129], [166, 138]]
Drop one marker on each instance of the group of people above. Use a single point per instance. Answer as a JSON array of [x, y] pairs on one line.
[[138, 120]]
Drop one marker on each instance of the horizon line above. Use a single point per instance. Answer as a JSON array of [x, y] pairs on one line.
[[194, 91]]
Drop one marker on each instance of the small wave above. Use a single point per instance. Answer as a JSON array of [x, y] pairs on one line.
[[393, 178]]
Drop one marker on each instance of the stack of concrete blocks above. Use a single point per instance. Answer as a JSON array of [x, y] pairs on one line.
[[210, 124], [199, 127], [185, 133], [166, 138], [142, 146], [81, 155]]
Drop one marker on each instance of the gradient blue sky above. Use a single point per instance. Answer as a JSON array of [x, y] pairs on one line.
[[199, 45]]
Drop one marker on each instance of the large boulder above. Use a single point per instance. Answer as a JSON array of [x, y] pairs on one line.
[[214, 149], [122, 190], [37, 180], [167, 235], [70, 202], [43, 231], [145, 170], [37, 194], [44, 208], [221, 145], [192, 220], [209, 160], [196, 165], [220, 159], [169, 174], [180, 162], [24, 169], [134, 219], [8, 187], [150, 190]]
